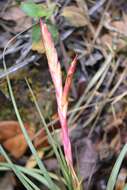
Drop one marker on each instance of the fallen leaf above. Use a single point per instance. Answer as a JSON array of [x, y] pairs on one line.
[[12, 138], [87, 159], [109, 40], [25, 22], [74, 15], [16, 14], [16, 146], [8, 129], [117, 33], [13, 13]]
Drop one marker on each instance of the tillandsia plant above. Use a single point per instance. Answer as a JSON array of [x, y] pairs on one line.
[[61, 92]]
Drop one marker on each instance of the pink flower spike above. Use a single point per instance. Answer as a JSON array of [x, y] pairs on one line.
[[69, 77], [53, 63], [61, 96]]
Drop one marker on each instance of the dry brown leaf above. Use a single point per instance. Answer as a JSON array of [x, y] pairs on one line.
[[31, 162], [8, 129], [109, 40], [87, 159], [13, 13], [75, 16], [16, 146], [16, 14], [116, 35], [25, 22], [12, 138]]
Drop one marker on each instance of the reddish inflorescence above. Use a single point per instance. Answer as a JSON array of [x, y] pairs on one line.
[[61, 93]]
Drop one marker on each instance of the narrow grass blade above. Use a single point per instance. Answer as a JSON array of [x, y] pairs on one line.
[[16, 170], [59, 155], [33, 172], [116, 168], [50, 138]]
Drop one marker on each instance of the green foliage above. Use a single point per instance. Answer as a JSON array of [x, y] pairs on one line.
[[53, 30], [36, 33], [35, 10]]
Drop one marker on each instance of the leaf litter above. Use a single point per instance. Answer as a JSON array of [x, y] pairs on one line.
[[97, 124]]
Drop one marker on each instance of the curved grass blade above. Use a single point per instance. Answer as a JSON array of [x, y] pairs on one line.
[[25, 181], [59, 155], [35, 173], [116, 168]]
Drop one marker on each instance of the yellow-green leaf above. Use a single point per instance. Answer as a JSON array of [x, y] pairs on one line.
[[75, 16]]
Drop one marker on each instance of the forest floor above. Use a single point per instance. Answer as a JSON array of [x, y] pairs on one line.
[[95, 31]]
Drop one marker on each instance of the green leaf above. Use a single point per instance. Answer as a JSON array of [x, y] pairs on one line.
[[36, 33], [53, 30], [36, 10]]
